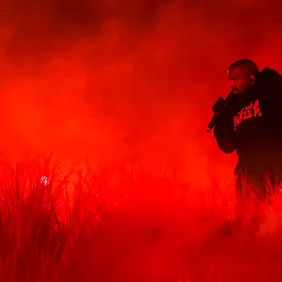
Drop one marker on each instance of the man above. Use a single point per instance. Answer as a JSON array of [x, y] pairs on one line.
[[250, 123]]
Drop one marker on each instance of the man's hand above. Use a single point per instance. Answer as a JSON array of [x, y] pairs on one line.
[[219, 105]]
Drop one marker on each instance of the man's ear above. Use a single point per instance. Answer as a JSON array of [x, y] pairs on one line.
[[252, 79]]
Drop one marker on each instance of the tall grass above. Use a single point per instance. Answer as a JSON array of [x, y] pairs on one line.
[[111, 225]]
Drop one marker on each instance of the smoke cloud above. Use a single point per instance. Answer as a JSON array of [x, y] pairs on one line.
[[126, 80]]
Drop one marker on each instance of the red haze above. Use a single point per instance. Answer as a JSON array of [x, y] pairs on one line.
[[124, 80]]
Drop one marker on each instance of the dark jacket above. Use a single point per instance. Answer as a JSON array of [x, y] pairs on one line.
[[251, 125]]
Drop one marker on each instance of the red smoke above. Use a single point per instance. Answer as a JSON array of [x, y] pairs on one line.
[[114, 81], [127, 81], [123, 81]]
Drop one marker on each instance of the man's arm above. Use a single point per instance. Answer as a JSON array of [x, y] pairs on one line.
[[224, 134]]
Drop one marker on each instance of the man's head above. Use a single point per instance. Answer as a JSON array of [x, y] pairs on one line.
[[242, 75]]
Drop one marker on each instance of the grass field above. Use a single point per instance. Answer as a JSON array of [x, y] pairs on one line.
[[109, 225]]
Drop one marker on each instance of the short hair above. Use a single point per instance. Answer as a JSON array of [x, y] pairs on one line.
[[248, 64]]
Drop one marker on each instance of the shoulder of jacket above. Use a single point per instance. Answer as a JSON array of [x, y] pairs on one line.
[[270, 76], [269, 72]]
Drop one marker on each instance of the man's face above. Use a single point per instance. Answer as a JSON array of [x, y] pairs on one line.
[[239, 80]]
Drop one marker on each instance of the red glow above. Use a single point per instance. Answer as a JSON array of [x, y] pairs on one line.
[[131, 82]]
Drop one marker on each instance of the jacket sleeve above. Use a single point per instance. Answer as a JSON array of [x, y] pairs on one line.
[[224, 133]]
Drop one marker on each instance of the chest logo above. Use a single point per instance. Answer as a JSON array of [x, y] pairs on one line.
[[251, 111]]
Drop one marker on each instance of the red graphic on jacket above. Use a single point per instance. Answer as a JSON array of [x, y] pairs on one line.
[[251, 111]]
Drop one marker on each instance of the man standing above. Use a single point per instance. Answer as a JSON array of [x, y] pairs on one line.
[[249, 122]]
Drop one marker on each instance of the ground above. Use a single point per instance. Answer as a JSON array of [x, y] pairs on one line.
[[83, 226]]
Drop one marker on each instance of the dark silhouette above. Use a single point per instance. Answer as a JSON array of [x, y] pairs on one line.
[[249, 121]]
